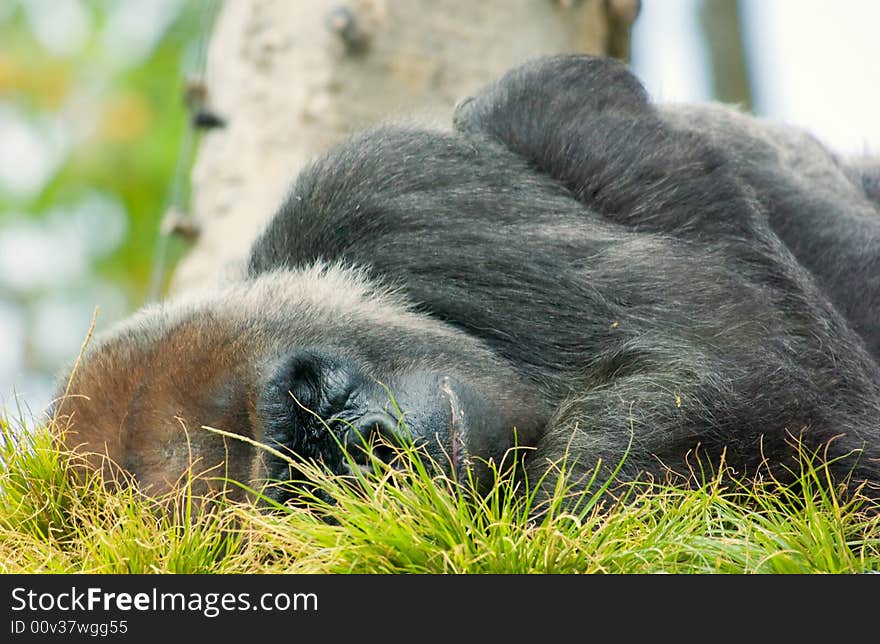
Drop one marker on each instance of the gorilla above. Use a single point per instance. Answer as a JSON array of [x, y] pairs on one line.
[[570, 270]]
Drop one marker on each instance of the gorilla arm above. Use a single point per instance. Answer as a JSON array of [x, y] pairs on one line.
[[651, 168], [587, 123], [825, 209]]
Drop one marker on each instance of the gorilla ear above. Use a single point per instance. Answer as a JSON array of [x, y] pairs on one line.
[[564, 91]]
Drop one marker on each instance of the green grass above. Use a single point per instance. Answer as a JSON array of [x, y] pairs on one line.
[[405, 519]]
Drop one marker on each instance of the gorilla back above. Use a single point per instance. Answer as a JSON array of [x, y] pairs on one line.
[[570, 269]]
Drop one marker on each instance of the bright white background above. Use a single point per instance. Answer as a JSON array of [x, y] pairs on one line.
[[814, 63]]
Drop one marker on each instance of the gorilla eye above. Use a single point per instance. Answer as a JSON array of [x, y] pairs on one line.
[[307, 388], [301, 377], [315, 381]]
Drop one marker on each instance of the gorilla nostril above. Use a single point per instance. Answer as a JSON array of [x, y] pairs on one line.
[[378, 433]]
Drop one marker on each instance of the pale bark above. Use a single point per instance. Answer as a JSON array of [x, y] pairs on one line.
[[292, 78]]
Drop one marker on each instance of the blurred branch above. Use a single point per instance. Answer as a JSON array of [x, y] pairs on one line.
[[621, 14], [722, 30]]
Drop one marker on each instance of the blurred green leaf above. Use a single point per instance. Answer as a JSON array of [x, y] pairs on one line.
[[127, 127]]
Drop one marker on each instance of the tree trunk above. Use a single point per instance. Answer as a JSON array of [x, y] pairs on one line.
[[292, 78]]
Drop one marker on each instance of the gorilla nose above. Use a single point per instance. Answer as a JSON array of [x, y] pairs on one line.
[[376, 433]]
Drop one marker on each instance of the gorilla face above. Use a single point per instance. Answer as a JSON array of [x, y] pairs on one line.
[[334, 365]]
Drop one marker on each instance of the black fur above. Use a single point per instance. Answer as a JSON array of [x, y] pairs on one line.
[[571, 269], [674, 281]]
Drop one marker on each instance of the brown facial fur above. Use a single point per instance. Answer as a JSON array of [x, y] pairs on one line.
[[144, 406]]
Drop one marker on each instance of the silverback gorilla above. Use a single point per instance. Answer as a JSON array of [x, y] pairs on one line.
[[571, 269]]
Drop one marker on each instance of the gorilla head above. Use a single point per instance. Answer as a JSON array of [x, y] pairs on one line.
[[313, 372], [571, 269]]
